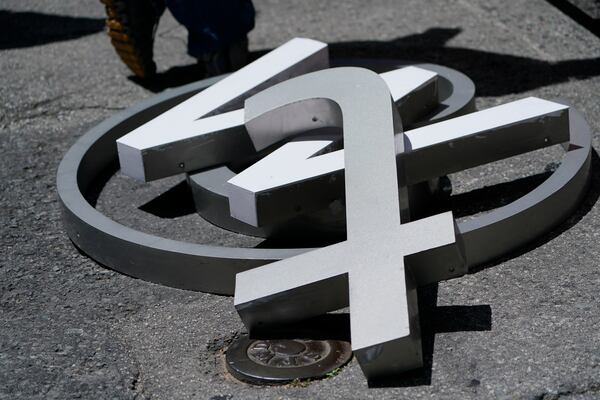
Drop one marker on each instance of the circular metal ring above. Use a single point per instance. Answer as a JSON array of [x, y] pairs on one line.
[[213, 269]]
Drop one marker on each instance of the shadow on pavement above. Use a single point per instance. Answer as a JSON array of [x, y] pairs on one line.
[[178, 201], [434, 320], [494, 196], [173, 77], [584, 13], [494, 74], [26, 29]]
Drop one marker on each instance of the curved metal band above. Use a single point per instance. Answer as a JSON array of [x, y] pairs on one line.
[[212, 269], [506, 228], [152, 258]]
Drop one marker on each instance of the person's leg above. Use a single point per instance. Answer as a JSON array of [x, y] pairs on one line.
[[217, 30]]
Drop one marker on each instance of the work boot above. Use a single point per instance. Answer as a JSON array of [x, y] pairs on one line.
[[131, 26]]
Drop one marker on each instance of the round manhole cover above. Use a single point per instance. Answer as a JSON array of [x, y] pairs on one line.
[[264, 361]]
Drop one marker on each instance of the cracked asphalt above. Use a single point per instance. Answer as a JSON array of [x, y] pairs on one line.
[[525, 327]]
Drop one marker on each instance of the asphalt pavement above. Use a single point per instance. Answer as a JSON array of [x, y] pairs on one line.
[[527, 326]]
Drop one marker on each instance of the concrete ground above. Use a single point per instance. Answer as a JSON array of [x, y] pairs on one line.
[[525, 327]]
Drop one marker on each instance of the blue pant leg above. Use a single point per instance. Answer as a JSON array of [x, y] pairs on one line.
[[213, 25]]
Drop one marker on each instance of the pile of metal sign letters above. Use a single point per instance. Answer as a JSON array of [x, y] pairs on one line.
[[340, 151]]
